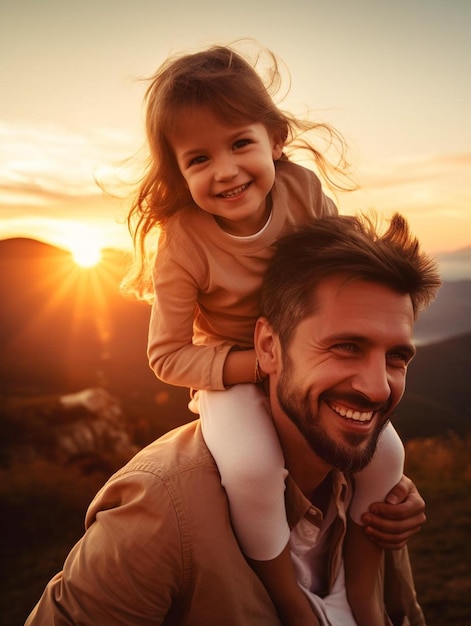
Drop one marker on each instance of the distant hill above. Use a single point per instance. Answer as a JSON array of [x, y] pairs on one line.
[[63, 329], [448, 316], [438, 394], [456, 265]]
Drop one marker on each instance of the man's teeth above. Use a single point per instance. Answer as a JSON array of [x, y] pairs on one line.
[[357, 416], [234, 192]]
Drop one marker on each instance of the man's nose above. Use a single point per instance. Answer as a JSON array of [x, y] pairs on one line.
[[372, 380]]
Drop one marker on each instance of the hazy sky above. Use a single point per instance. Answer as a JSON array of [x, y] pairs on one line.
[[393, 77]]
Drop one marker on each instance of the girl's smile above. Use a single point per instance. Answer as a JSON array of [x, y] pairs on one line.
[[233, 193]]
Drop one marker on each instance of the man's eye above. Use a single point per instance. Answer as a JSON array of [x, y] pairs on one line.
[[345, 347], [399, 358]]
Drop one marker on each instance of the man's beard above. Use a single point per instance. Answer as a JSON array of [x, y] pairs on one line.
[[297, 406]]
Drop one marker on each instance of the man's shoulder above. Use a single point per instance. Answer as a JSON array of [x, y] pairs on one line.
[[179, 451], [167, 480]]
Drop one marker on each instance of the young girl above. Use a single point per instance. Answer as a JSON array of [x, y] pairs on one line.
[[222, 191]]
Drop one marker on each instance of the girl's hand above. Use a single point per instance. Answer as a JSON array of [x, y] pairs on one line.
[[390, 524]]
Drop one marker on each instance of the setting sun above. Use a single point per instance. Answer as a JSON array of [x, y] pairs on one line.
[[86, 254], [84, 243]]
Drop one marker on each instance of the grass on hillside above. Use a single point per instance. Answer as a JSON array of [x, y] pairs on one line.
[[43, 510], [441, 553]]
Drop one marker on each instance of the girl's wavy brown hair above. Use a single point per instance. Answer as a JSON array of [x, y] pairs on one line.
[[238, 92]]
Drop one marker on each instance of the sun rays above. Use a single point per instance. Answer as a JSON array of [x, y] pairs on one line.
[[63, 313]]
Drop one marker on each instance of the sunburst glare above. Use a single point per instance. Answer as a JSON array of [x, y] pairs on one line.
[[85, 244], [86, 254]]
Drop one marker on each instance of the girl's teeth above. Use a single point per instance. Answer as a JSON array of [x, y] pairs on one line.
[[234, 192], [357, 416]]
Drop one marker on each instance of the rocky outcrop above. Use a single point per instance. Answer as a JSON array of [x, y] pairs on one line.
[[86, 428]]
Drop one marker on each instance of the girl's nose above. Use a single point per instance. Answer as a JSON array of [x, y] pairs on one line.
[[225, 168]]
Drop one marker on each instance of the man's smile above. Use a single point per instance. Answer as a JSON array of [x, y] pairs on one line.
[[357, 416]]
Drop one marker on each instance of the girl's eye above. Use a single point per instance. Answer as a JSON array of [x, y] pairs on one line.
[[197, 160], [241, 143]]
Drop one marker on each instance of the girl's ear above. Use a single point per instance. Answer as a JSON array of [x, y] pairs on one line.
[[266, 346], [277, 149]]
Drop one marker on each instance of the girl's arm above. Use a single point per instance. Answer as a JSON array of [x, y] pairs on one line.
[[241, 366], [172, 355]]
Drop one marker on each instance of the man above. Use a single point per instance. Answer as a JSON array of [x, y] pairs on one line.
[[339, 304]]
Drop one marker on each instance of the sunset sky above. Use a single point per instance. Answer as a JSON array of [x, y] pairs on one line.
[[393, 77]]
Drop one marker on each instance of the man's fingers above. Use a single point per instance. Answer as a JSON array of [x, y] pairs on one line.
[[388, 541], [392, 534], [393, 518]]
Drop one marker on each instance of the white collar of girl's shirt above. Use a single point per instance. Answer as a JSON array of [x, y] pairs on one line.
[[255, 235]]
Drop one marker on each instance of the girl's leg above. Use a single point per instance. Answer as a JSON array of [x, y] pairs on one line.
[[239, 432], [385, 470]]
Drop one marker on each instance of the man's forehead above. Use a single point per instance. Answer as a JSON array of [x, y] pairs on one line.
[[341, 289], [358, 306]]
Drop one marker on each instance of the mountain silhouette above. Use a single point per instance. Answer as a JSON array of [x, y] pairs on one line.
[[456, 265], [438, 396], [63, 328], [448, 316]]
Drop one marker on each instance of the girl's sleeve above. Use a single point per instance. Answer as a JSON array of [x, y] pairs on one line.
[[321, 205], [172, 355], [329, 206]]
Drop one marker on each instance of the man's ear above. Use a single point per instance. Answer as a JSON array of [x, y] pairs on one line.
[[266, 346]]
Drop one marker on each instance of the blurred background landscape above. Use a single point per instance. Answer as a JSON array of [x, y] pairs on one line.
[[77, 399]]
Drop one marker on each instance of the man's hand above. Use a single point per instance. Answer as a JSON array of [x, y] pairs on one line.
[[390, 524]]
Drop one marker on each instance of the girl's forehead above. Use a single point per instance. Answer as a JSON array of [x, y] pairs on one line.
[[208, 129], [202, 116], [213, 111]]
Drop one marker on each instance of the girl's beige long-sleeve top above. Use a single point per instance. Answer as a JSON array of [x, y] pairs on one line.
[[207, 282]]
